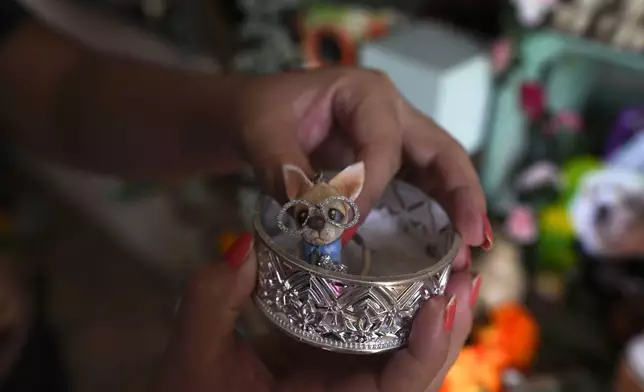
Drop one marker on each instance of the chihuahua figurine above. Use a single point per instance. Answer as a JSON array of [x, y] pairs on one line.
[[322, 210]]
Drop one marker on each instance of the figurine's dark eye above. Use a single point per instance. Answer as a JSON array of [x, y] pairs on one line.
[[335, 215], [302, 216]]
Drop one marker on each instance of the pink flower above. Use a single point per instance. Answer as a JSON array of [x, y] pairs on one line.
[[521, 225], [501, 55], [533, 100], [565, 120], [569, 120]]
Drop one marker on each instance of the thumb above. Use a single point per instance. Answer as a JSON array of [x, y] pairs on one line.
[[413, 368], [212, 304]]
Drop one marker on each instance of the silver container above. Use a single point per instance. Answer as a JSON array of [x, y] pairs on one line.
[[412, 245]]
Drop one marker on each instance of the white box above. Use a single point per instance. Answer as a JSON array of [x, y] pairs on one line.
[[442, 72]]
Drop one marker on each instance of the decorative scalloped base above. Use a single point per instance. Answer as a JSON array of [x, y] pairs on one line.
[[326, 343]]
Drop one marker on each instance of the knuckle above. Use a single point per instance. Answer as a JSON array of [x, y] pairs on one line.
[[368, 78], [380, 79], [378, 74]]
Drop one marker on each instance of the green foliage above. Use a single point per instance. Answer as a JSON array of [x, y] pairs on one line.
[[573, 171], [556, 239]]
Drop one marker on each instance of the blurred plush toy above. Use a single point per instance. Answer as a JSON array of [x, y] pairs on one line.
[[578, 17], [521, 225], [540, 223], [509, 341], [503, 276], [331, 33], [547, 222], [543, 182], [514, 330], [572, 174], [556, 239], [532, 13], [554, 138], [630, 371], [556, 247], [629, 35], [608, 213], [566, 133], [629, 123], [476, 369]]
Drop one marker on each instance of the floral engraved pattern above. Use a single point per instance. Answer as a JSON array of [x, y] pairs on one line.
[[339, 313]]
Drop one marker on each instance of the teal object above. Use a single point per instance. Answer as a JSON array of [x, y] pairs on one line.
[[576, 74]]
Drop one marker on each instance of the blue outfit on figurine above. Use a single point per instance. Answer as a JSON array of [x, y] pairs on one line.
[[312, 253]]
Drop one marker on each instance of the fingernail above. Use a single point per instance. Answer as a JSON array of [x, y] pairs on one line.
[[474, 293], [488, 240], [348, 234], [450, 313], [237, 253]]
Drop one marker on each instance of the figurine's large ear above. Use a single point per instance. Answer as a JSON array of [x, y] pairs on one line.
[[350, 181], [296, 181]]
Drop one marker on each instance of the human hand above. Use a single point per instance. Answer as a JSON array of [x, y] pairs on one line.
[[206, 355], [328, 118]]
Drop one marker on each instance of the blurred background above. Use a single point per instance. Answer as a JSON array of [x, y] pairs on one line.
[[545, 95]]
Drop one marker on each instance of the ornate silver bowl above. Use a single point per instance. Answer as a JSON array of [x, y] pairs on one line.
[[412, 245]]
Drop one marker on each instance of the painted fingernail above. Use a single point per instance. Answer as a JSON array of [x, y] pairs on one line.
[[237, 253], [450, 313], [487, 234], [348, 234], [474, 293]]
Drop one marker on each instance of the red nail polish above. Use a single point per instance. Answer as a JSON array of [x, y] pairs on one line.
[[237, 253], [348, 234], [450, 313], [474, 293], [487, 234]]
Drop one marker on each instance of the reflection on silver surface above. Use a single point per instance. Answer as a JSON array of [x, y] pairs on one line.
[[412, 244]]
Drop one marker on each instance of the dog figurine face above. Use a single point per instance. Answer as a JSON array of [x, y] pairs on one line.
[[348, 183], [608, 213]]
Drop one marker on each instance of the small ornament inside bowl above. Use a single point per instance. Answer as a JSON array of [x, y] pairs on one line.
[[360, 297]]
